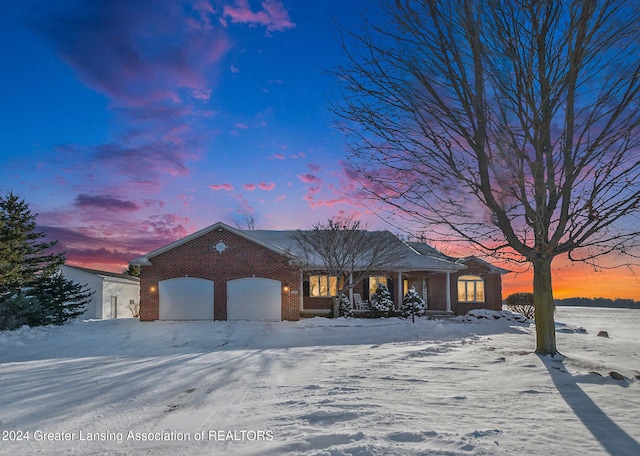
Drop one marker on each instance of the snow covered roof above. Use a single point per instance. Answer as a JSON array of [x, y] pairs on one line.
[[104, 273], [426, 249], [144, 260], [407, 258], [411, 256]]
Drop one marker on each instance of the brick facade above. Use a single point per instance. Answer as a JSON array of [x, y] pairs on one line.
[[436, 284], [492, 289], [247, 255], [199, 258]]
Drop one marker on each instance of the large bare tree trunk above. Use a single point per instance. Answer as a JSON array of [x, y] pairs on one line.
[[544, 305]]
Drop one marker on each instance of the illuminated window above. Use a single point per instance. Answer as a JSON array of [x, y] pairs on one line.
[[374, 281], [470, 288], [323, 286]]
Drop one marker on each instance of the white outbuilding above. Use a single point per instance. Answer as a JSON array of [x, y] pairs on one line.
[[115, 295]]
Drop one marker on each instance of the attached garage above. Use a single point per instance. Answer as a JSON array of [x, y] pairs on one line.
[[254, 298], [186, 298]]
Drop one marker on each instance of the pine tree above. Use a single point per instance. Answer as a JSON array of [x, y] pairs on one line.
[[412, 304], [23, 254], [32, 290], [381, 302], [346, 309], [60, 300]]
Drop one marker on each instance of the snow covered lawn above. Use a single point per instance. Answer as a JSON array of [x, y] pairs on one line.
[[322, 387]]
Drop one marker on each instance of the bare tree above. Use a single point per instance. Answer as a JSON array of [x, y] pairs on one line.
[[510, 124], [245, 219], [341, 248]]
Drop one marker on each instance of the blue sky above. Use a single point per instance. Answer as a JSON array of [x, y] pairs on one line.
[[128, 123]]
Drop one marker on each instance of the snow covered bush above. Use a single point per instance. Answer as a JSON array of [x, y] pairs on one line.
[[346, 310], [412, 304], [484, 314], [381, 303]]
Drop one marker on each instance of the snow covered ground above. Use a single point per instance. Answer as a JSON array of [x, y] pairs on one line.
[[322, 387]]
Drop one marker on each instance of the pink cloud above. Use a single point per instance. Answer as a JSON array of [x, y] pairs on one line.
[[273, 15], [112, 247], [314, 167], [281, 198], [104, 202], [309, 178], [267, 187], [201, 94], [225, 187], [250, 187], [242, 126], [279, 156], [329, 203]]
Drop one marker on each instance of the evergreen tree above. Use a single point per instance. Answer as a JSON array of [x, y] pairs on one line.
[[17, 310], [381, 302], [60, 300], [412, 304], [24, 256], [32, 290], [346, 309]]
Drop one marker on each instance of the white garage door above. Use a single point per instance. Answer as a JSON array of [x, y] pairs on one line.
[[186, 298], [254, 298]]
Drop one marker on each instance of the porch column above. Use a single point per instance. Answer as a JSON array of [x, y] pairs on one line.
[[399, 290], [425, 293], [351, 287], [448, 291]]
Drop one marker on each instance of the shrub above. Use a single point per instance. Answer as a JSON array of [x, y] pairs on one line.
[[521, 303], [346, 310], [17, 310], [412, 304], [381, 303]]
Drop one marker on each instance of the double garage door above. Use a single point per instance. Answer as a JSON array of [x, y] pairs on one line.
[[190, 298]]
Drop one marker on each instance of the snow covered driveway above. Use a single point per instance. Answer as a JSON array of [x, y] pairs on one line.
[[321, 387]]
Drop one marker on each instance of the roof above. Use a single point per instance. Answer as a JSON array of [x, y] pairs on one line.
[[490, 267], [426, 249], [408, 258], [145, 260], [104, 273]]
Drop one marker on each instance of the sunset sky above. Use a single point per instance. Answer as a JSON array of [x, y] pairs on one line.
[[127, 124]]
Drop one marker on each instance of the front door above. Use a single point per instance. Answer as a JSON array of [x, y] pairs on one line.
[[419, 284]]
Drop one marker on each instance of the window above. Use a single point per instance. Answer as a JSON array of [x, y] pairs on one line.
[[470, 288], [374, 281], [323, 286]]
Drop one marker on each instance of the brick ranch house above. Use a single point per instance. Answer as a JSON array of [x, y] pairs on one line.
[[223, 273]]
